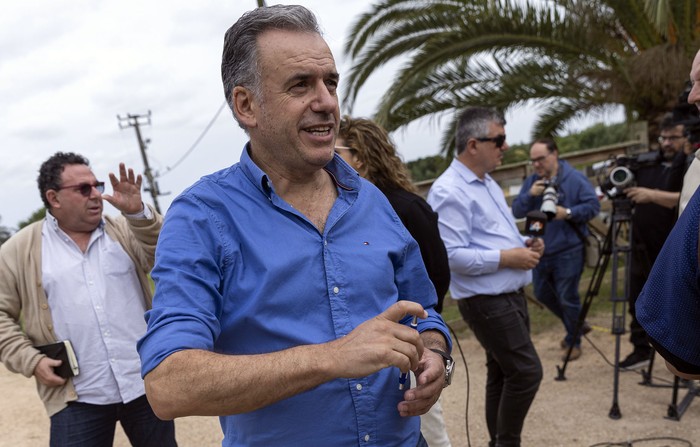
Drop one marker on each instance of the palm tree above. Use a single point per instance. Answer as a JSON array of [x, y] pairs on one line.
[[571, 57]]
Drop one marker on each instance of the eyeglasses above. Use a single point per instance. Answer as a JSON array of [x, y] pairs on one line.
[[344, 148], [498, 140], [85, 189], [671, 138], [539, 159]]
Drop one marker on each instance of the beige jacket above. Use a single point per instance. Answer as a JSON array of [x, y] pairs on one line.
[[25, 317]]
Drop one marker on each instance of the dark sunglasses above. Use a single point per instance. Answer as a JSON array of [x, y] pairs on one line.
[[499, 140], [85, 189]]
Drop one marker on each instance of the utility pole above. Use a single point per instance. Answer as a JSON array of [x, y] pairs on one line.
[[136, 121]]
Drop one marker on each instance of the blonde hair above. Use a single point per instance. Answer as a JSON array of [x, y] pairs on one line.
[[373, 146]]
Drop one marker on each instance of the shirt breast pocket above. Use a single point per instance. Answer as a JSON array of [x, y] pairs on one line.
[[116, 263]]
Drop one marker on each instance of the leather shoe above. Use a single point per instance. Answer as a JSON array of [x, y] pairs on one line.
[[575, 354], [585, 328]]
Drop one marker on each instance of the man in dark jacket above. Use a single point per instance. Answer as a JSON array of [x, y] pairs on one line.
[[556, 278]]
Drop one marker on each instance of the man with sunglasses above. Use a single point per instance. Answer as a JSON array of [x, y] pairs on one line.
[[83, 277], [490, 263], [556, 278]]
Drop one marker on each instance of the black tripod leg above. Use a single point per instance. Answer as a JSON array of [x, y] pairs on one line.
[[592, 291], [622, 209]]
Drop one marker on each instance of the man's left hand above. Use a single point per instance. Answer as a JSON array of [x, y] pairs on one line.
[[126, 191], [536, 244], [639, 194], [430, 378]]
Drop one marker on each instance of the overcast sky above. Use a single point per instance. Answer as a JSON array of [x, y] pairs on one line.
[[69, 67]]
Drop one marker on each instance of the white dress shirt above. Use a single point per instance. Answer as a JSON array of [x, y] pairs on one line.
[[97, 303], [475, 225]]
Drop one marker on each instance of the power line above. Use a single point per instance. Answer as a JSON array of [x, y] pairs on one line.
[[194, 145]]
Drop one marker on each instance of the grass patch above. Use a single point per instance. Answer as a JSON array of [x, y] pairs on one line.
[[541, 319]]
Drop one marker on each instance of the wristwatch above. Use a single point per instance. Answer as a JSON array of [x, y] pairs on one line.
[[449, 366], [568, 213]]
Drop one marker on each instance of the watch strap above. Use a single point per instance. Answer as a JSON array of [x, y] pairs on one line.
[[449, 365]]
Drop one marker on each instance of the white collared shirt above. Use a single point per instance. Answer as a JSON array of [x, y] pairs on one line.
[[475, 225], [97, 303]]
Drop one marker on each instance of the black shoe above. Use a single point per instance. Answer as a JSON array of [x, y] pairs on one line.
[[635, 360], [586, 328]]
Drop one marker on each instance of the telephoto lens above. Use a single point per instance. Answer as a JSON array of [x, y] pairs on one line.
[[549, 201]]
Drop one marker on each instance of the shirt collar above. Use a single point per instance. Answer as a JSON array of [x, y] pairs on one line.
[[466, 173], [342, 174], [52, 222]]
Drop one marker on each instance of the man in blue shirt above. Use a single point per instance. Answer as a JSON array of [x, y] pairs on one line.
[[285, 283], [490, 264], [556, 278]]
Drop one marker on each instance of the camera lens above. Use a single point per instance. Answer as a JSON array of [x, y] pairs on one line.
[[549, 201], [621, 177]]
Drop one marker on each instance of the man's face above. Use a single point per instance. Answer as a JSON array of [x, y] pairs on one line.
[[74, 211], [489, 155], [544, 163], [694, 95], [672, 141], [296, 119]]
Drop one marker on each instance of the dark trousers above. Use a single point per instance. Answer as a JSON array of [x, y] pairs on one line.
[[87, 425], [556, 279], [502, 325]]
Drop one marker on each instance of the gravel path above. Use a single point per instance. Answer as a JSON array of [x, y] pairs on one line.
[[573, 412]]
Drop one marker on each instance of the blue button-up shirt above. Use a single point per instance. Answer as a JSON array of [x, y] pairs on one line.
[[475, 225], [239, 271]]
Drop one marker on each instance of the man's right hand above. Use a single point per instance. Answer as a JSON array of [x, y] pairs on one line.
[[520, 258], [537, 188], [45, 374], [380, 342]]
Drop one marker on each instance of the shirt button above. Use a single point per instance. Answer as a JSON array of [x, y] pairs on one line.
[[336, 289], [359, 387], [366, 438], [50, 327], [44, 306]]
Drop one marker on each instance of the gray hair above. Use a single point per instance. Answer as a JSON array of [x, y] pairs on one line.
[[239, 62], [474, 122]]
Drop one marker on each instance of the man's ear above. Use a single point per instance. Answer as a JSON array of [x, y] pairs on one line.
[[52, 197], [244, 106]]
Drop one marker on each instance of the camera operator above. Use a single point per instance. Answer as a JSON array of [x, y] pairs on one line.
[[655, 198], [569, 199], [672, 292]]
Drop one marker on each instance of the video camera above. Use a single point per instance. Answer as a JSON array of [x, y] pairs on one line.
[[622, 169]]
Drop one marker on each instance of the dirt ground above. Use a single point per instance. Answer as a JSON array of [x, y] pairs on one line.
[[572, 412]]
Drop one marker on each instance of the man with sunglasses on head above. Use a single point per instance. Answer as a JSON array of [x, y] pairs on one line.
[[80, 276], [556, 278], [490, 263]]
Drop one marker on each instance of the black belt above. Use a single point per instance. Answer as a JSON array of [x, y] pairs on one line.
[[518, 292]]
